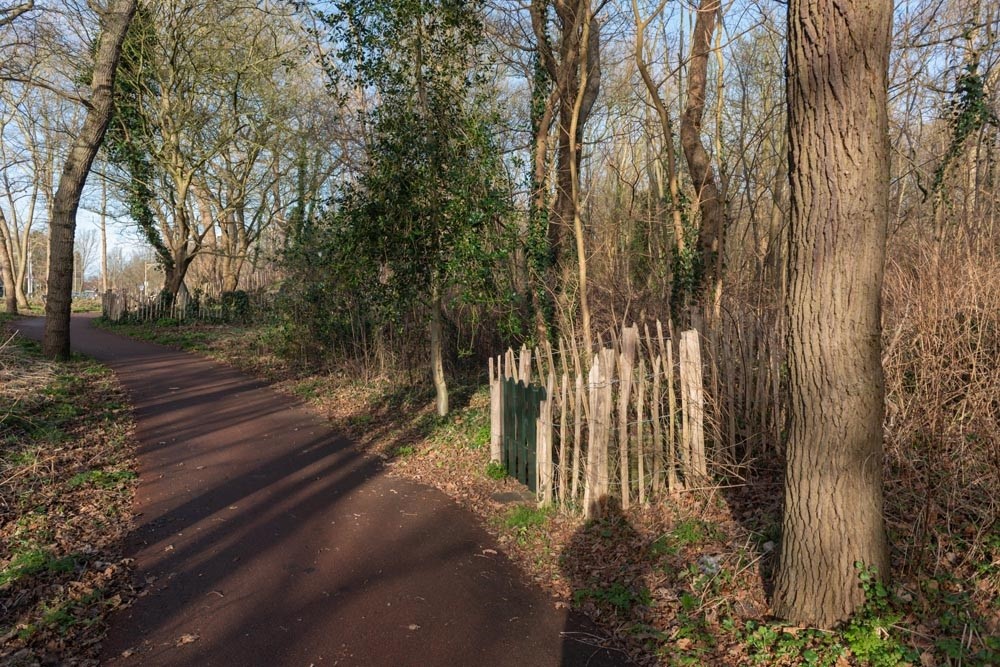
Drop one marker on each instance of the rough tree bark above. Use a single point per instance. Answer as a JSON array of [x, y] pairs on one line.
[[62, 226], [838, 175]]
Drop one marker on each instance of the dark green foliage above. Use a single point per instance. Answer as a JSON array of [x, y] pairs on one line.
[[127, 141], [236, 306], [687, 267], [969, 111], [425, 215]]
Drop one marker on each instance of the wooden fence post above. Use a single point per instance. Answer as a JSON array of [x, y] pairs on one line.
[[626, 366], [524, 369], [657, 486], [672, 480], [496, 409], [596, 487], [563, 436], [640, 453], [543, 456], [693, 403], [577, 436]]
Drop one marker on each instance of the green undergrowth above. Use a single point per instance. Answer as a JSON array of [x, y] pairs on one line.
[[66, 461], [86, 305], [524, 518], [166, 331]]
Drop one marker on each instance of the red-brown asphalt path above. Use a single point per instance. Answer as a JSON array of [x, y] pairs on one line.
[[264, 538]]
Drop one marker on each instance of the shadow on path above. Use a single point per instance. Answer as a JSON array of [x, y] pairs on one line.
[[598, 564], [263, 538]]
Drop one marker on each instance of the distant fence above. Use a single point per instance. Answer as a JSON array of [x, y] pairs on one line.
[[239, 306], [631, 427]]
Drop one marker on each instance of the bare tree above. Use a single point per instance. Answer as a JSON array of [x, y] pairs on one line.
[[663, 115], [574, 65], [9, 14], [209, 107], [86, 245], [838, 57]]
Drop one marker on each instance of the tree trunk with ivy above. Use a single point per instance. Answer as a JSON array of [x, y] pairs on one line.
[[839, 179]]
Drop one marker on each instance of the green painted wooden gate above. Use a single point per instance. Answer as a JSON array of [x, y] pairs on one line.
[[520, 429]]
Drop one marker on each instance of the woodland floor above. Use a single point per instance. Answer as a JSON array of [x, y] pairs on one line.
[[681, 582], [66, 486]]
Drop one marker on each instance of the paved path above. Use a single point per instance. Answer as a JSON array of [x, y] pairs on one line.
[[267, 539]]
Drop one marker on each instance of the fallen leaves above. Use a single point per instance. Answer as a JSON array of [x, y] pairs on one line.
[[66, 502], [186, 639]]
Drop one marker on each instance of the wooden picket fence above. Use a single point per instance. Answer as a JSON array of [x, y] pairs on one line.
[[120, 305], [629, 425]]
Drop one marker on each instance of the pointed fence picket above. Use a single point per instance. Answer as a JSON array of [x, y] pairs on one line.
[[631, 426]]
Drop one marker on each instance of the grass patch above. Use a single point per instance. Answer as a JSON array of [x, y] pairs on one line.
[[101, 478], [34, 561], [496, 470], [308, 389], [687, 533], [524, 518], [618, 596], [166, 331]]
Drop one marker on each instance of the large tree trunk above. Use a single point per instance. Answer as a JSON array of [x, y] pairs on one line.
[[173, 275], [839, 178], [62, 226], [698, 160]]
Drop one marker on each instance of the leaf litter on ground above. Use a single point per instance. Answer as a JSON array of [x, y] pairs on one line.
[[66, 487]]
